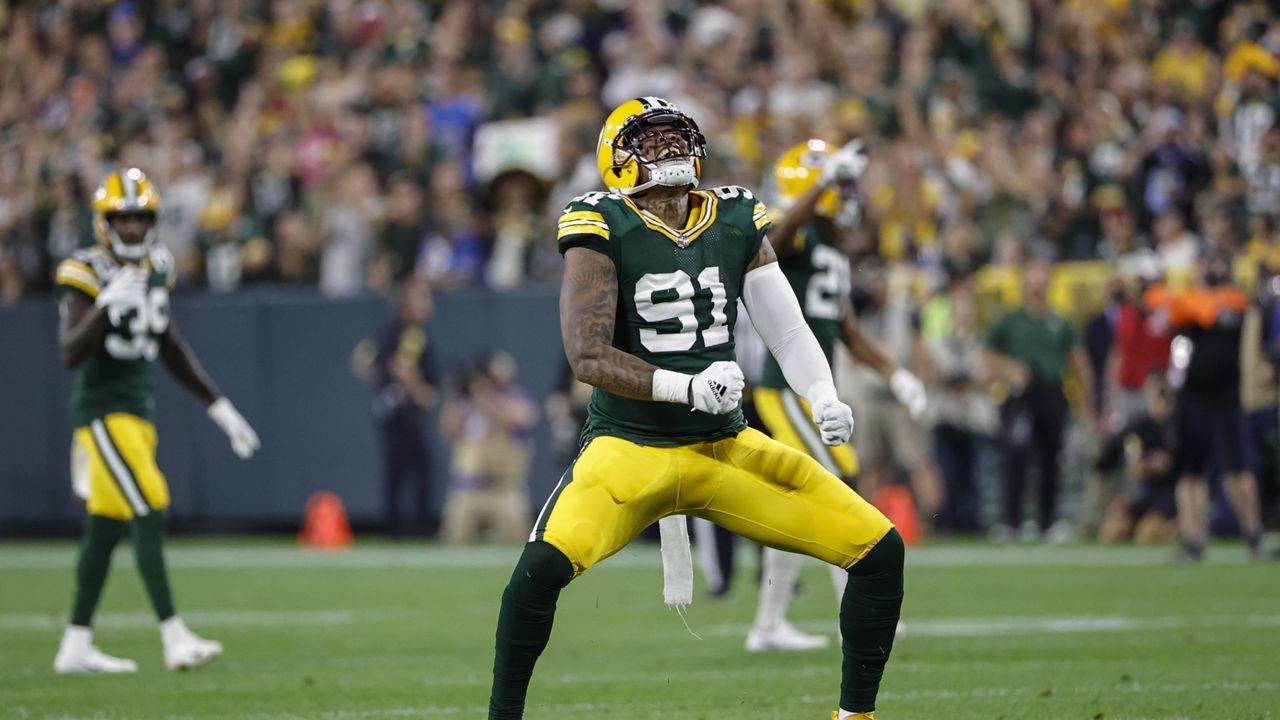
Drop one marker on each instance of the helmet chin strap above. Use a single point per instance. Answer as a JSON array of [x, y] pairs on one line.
[[677, 172], [126, 251]]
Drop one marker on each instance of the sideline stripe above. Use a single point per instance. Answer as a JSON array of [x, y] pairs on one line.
[[622, 708], [980, 627], [630, 707], [540, 524], [236, 554], [818, 450], [42, 622]]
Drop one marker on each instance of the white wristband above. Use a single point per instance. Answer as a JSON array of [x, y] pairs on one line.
[[670, 386]]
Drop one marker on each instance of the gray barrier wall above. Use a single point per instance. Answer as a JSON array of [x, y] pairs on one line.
[[283, 358]]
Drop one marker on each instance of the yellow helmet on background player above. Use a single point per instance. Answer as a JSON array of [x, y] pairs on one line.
[[623, 136], [126, 192], [798, 170]]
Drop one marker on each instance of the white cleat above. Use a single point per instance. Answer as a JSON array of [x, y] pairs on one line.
[[784, 637], [89, 659], [191, 653], [185, 650]]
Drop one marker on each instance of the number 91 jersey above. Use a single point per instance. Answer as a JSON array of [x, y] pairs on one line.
[[117, 377], [678, 293]]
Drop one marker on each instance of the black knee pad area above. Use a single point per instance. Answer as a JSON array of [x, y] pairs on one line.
[[886, 557]]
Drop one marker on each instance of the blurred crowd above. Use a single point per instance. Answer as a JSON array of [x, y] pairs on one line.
[[347, 144], [350, 145]]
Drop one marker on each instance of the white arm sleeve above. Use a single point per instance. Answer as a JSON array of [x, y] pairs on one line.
[[776, 315]]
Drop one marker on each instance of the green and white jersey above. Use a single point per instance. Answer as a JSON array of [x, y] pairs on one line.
[[117, 377], [677, 300], [819, 275]]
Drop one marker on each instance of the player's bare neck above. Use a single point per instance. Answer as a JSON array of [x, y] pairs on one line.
[[670, 205]]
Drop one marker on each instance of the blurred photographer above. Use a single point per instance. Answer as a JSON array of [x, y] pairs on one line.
[[1143, 448], [487, 421]]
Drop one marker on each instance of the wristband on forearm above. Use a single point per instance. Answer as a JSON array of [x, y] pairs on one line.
[[670, 386]]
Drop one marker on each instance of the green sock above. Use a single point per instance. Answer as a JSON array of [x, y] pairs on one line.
[[148, 550], [524, 625], [100, 537], [868, 621]]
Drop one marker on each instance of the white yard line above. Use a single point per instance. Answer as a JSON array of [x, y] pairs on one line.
[[1036, 625], [925, 627]]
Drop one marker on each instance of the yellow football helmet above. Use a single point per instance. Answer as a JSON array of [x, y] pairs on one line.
[[126, 192], [798, 170], [623, 135]]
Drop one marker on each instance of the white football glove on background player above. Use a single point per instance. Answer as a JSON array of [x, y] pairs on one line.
[[845, 165], [909, 391], [127, 286], [244, 441], [833, 418], [716, 390]]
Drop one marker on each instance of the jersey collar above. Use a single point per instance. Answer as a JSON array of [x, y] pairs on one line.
[[702, 214]]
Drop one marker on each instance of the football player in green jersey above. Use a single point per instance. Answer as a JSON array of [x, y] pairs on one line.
[[654, 269], [114, 307], [808, 241]]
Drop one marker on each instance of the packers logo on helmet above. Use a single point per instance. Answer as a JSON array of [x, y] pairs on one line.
[[127, 192], [798, 170], [625, 132]]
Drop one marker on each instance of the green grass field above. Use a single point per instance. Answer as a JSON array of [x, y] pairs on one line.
[[405, 631]]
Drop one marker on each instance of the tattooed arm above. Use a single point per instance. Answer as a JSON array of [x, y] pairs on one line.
[[764, 255], [588, 309]]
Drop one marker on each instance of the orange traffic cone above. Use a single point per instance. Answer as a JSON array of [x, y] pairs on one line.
[[896, 504], [325, 525]]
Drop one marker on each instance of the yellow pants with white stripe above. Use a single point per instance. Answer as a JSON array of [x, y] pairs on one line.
[[788, 419], [113, 467], [749, 484]]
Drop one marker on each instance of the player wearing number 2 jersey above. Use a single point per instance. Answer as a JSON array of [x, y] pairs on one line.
[[810, 181], [115, 322], [654, 270]]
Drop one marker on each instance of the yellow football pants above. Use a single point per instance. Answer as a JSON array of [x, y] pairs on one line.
[[750, 484], [116, 454], [788, 419]]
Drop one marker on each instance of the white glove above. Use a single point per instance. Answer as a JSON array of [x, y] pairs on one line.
[[244, 441], [127, 286], [833, 418], [909, 391], [718, 389], [845, 165]]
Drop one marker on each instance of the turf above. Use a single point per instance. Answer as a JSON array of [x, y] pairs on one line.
[[399, 631]]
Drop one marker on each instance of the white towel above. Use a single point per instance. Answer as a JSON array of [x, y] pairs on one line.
[[677, 562]]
